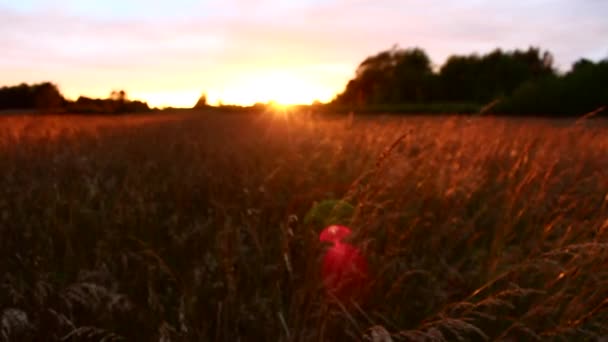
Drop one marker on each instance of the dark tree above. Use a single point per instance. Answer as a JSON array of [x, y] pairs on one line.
[[202, 101], [393, 76], [118, 95], [399, 76], [47, 96], [115, 104], [412, 76], [580, 91], [484, 78], [43, 96]]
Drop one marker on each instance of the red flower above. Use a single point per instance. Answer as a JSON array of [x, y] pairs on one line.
[[344, 269]]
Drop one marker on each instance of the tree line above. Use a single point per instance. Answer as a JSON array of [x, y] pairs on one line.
[[515, 82], [46, 97]]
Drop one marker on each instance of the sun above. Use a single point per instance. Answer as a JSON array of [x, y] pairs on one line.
[[175, 98], [280, 89], [277, 106], [286, 90]]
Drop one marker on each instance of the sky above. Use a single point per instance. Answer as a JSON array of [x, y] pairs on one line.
[[245, 51]]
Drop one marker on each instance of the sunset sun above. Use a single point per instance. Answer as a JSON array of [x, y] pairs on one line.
[[282, 88], [285, 90]]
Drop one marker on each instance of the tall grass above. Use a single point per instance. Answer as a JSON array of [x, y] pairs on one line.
[[191, 228]]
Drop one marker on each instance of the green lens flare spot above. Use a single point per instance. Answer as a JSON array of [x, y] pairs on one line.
[[329, 212]]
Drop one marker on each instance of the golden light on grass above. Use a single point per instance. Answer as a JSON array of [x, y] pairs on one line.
[[133, 194]]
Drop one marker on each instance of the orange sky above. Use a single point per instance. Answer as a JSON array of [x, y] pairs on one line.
[[247, 51]]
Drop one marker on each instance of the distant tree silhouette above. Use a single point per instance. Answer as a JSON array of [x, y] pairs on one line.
[[202, 101], [582, 64], [118, 95], [458, 78], [47, 96], [391, 76], [43, 96], [581, 90], [401, 76], [117, 103], [481, 79], [16, 97]]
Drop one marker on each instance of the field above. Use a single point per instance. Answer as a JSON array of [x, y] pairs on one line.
[[190, 227]]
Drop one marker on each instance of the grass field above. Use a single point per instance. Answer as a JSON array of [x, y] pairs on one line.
[[190, 228]]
